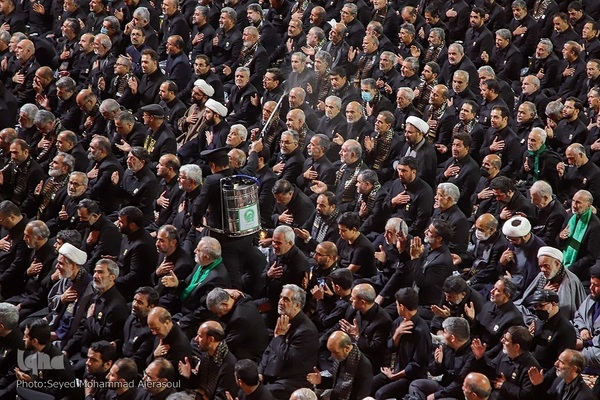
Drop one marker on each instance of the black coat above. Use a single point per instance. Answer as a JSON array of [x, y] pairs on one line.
[[549, 222], [137, 260], [429, 273], [245, 330], [101, 188]]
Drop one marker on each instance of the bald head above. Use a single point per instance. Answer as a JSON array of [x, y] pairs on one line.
[[477, 386]]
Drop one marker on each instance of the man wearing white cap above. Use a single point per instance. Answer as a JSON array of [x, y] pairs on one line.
[[72, 290], [214, 136], [519, 260], [553, 275], [193, 118], [418, 147]]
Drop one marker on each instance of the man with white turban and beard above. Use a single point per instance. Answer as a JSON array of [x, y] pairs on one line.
[[553, 276]]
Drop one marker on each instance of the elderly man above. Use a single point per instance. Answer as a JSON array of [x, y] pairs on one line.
[[240, 106], [576, 237], [292, 353], [289, 160], [446, 208], [73, 289], [170, 342], [549, 213], [453, 360], [585, 175], [567, 372], [190, 293], [106, 314], [555, 276], [245, 330], [476, 387], [368, 324], [539, 162], [479, 267], [352, 373], [382, 146], [22, 80]]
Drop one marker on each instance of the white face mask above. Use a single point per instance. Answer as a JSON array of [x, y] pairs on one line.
[[481, 236]]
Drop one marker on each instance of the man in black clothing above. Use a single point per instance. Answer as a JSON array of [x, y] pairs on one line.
[[100, 235], [138, 254], [292, 206], [137, 342], [22, 176], [170, 343], [461, 170], [145, 90], [15, 256], [432, 267], [138, 187], [160, 139], [245, 330], [570, 128], [411, 341], [172, 257], [478, 268], [584, 175], [55, 380], [321, 225], [501, 140], [100, 171], [478, 37], [356, 252], [453, 361], [352, 371], [317, 165], [409, 197], [292, 353], [549, 213], [564, 379], [496, 316], [216, 363], [11, 342]]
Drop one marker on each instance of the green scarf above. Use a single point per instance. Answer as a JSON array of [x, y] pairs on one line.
[[199, 277], [577, 228], [536, 160]]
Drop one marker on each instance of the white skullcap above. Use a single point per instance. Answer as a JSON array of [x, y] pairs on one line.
[[550, 252], [205, 87], [516, 227], [79, 257], [217, 107], [418, 123]]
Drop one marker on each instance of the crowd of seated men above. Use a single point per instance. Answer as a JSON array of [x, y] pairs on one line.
[[427, 180]]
